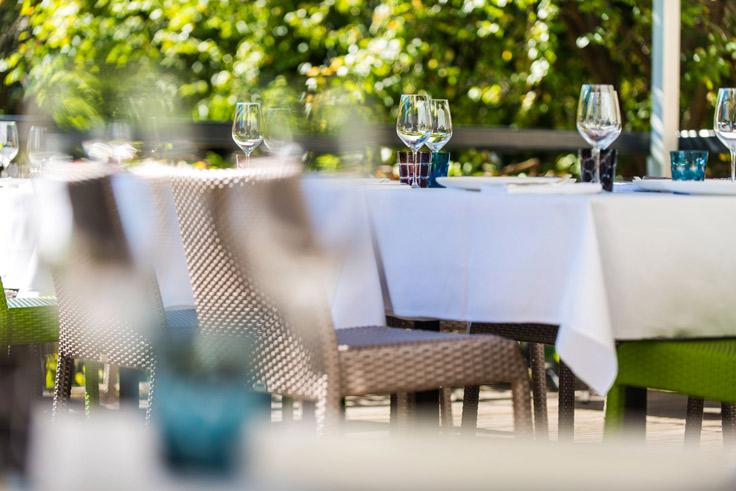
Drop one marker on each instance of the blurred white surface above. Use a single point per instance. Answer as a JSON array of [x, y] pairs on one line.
[[115, 451]]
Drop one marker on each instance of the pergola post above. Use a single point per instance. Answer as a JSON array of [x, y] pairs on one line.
[[665, 119]]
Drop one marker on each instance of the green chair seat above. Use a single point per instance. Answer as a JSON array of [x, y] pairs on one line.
[[703, 369], [32, 321], [28, 320]]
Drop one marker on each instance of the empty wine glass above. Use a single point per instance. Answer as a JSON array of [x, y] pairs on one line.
[[8, 142], [414, 126], [111, 143], [247, 127], [279, 131], [441, 125], [598, 120], [37, 148], [724, 123]]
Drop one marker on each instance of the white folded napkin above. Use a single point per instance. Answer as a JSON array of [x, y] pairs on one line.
[[553, 188]]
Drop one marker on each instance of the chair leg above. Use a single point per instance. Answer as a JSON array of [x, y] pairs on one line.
[[446, 407], [309, 411], [615, 404], [539, 388], [566, 411], [287, 409], [694, 420], [728, 422], [129, 386], [470, 409], [626, 411], [91, 386], [522, 407], [63, 383], [343, 409], [400, 409], [635, 412], [151, 394]]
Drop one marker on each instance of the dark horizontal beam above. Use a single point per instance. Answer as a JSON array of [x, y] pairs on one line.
[[215, 135]]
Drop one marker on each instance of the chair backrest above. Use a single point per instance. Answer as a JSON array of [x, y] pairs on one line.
[[109, 304], [295, 357]]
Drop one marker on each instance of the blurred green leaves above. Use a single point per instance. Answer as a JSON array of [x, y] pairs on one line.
[[514, 63]]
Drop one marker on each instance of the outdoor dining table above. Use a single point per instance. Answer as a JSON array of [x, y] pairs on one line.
[[604, 268]]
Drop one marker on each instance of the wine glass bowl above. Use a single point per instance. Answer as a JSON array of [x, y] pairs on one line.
[[38, 155], [598, 119], [8, 142], [414, 126], [279, 131], [724, 123], [246, 130], [441, 125]]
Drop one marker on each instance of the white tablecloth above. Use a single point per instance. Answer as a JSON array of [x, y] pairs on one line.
[[18, 260], [603, 267]]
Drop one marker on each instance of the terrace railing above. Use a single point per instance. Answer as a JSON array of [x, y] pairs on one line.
[[203, 136]]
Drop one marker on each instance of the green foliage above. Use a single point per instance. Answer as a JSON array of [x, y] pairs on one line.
[[500, 62]]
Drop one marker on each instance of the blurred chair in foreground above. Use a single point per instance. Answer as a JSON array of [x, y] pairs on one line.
[[109, 304], [700, 369], [255, 268]]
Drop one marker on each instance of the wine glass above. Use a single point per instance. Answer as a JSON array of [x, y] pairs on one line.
[[279, 131], [598, 120], [38, 154], [8, 142], [724, 123], [111, 143], [247, 127], [441, 125], [414, 126]]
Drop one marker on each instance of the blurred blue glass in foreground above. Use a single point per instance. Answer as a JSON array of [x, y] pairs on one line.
[[204, 401], [688, 165]]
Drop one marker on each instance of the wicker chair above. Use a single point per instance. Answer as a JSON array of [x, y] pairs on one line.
[[98, 267], [28, 321], [28, 327], [249, 249]]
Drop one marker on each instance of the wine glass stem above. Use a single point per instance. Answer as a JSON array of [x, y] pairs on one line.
[[415, 181], [596, 164], [733, 164]]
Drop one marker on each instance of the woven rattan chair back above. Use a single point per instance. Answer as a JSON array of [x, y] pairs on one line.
[[109, 310], [294, 357]]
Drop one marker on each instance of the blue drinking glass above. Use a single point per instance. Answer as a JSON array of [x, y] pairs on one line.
[[440, 166], [688, 165], [204, 401]]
